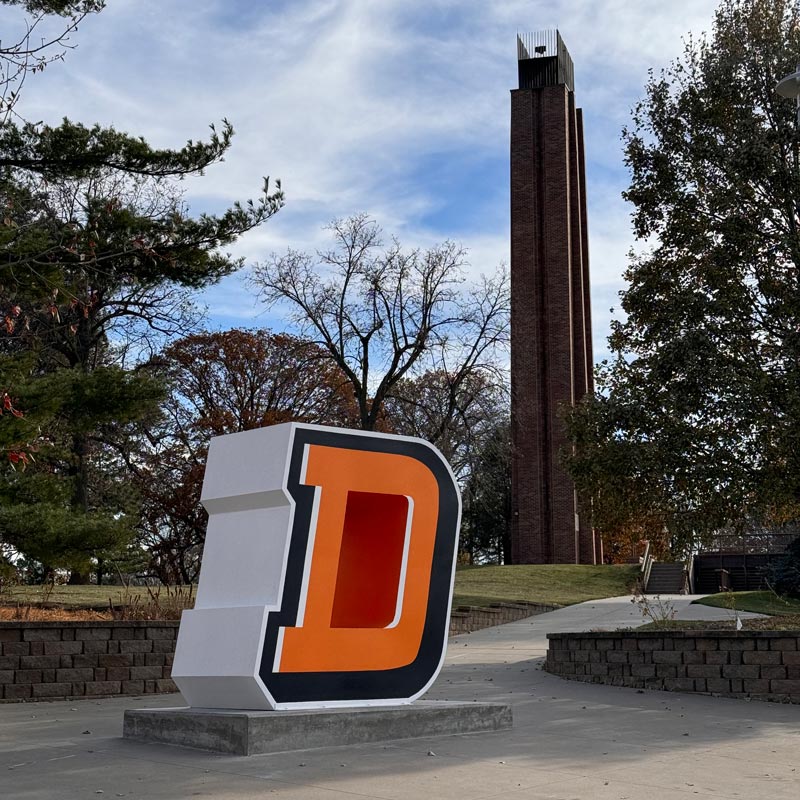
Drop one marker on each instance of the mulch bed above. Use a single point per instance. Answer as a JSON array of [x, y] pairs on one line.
[[785, 622], [19, 613]]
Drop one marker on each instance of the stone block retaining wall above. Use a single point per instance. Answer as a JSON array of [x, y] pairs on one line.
[[465, 619], [761, 665], [54, 660], [67, 660]]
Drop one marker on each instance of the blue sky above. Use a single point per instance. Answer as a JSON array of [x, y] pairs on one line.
[[399, 108]]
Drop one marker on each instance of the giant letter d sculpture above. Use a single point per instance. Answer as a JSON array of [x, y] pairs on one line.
[[327, 571]]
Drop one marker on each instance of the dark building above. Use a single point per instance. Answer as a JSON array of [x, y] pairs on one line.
[[551, 339]]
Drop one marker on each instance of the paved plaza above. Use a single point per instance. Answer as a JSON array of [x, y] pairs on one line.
[[570, 741]]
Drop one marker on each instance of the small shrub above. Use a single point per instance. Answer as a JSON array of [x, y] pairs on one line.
[[8, 578], [729, 599], [48, 587], [659, 612]]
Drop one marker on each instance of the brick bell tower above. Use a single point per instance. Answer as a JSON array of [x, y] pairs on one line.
[[551, 338]]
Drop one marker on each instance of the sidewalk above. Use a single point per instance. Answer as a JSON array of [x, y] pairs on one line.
[[570, 741]]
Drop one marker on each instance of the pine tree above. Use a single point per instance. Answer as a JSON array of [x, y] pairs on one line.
[[97, 255]]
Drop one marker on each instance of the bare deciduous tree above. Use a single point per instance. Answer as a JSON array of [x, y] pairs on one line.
[[387, 314], [39, 42]]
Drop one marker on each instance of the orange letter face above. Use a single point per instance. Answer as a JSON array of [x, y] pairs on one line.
[[366, 598], [327, 571], [368, 578]]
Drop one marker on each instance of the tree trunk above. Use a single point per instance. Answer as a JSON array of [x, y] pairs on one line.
[[80, 493]]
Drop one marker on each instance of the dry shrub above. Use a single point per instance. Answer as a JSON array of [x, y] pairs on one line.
[[660, 611], [8, 578], [162, 602]]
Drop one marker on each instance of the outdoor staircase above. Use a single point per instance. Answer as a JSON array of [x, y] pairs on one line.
[[665, 578]]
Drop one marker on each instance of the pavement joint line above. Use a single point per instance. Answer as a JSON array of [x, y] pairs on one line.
[[526, 788], [706, 790], [250, 775], [692, 793]]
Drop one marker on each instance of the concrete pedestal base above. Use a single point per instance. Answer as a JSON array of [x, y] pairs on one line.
[[247, 733]]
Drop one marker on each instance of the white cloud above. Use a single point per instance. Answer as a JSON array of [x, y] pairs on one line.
[[356, 103]]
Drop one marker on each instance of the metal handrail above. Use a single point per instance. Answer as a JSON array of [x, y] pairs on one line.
[[646, 555], [648, 566]]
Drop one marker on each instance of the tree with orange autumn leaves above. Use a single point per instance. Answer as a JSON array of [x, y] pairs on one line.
[[220, 383]]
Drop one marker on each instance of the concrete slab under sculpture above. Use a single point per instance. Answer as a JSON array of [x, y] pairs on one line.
[[246, 733]]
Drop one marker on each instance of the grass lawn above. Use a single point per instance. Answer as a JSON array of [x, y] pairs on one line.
[[478, 586], [758, 602], [564, 584]]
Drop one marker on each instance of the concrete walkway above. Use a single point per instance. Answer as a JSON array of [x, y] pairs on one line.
[[571, 741]]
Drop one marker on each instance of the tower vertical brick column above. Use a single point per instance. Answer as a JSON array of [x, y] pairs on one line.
[[551, 346]]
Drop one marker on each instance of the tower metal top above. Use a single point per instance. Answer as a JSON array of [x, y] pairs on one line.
[[543, 60]]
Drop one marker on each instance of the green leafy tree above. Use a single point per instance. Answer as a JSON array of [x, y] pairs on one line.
[[785, 574], [486, 496], [118, 254], [697, 423]]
